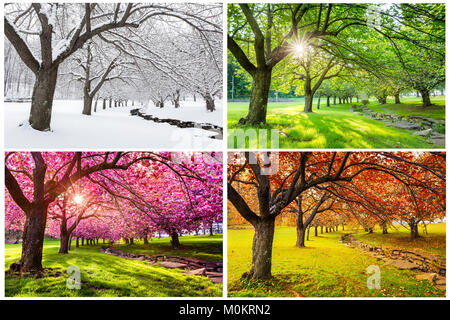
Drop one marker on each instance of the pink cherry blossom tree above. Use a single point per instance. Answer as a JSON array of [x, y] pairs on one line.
[[109, 195]]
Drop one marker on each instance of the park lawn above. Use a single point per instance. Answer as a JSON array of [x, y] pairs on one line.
[[103, 275], [325, 268], [432, 243], [204, 247], [412, 106], [329, 127]]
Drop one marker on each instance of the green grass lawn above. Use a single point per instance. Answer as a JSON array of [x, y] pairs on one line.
[[325, 268], [104, 275], [329, 127], [202, 247], [431, 243]]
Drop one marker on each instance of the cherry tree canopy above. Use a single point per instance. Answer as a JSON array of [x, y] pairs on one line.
[[113, 195]]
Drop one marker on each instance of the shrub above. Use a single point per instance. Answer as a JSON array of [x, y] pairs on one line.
[[440, 128]]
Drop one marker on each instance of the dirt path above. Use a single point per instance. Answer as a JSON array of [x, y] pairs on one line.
[[194, 266], [426, 267]]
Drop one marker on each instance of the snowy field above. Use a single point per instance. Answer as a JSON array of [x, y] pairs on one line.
[[111, 128], [188, 111]]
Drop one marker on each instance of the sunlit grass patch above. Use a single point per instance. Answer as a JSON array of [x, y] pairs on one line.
[[325, 268], [329, 127], [104, 275]]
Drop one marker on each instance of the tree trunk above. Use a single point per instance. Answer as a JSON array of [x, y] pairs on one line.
[[300, 230], [87, 104], [307, 233], [321, 229], [64, 243], [300, 237], [334, 99], [397, 98], [33, 239], [104, 104], [175, 240], [262, 250], [77, 244], [414, 230], [308, 102], [315, 230], [258, 99], [95, 104], [425, 98], [384, 227], [64, 237], [309, 94], [211, 230], [209, 103], [328, 101], [318, 103], [42, 99], [145, 240]]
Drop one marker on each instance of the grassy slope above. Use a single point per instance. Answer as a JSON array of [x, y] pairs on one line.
[[324, 268], [201, 247], [413, 106], [432, 244], [105, 275], [329, 127]]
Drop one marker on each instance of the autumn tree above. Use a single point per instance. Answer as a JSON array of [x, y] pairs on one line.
[[278, 179]]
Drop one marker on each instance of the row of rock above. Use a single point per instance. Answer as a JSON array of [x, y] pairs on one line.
[[212, 270], [17, 100], [181, 124]]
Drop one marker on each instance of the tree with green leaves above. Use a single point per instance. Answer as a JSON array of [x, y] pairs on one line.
[[262, 35]]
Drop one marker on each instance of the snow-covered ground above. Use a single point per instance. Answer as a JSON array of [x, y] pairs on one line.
[[112, 128], [188, 111]]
